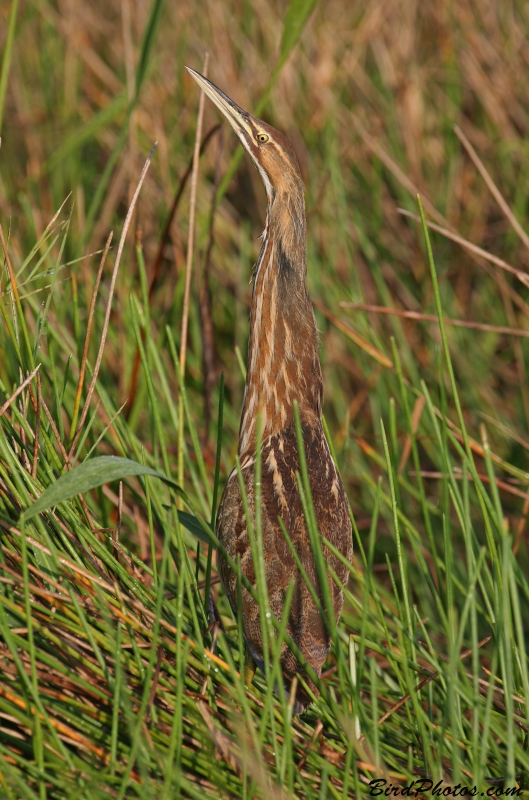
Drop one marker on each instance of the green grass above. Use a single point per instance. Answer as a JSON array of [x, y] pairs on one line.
[[113, 682]]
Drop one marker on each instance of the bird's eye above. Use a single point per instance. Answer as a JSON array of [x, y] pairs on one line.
[[262, 138]]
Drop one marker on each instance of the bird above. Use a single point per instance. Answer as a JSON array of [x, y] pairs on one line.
[[283, 368]]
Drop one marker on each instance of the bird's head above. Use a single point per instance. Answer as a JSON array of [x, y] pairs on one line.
[[270, 151]]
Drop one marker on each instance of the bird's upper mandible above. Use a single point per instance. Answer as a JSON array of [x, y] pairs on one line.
[[270, 151]]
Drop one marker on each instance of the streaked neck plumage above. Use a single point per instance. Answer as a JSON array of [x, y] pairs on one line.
[[283, 364]]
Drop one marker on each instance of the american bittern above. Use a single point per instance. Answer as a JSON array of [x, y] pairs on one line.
[[283, 367]]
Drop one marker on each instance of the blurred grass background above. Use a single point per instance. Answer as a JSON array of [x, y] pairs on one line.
[[108, 682]]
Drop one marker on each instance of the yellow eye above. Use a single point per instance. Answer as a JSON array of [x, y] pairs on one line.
[[262, 137]]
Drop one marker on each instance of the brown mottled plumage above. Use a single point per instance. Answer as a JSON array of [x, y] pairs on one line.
[[283, 367]]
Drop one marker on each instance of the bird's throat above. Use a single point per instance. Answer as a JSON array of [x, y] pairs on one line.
[[283, 363]]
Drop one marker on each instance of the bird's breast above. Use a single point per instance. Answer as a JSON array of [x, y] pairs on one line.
[[279, 498]]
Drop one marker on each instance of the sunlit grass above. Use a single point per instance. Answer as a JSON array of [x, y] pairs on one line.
[[114, 681]]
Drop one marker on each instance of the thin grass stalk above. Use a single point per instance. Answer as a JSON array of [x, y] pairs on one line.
[[144, 291], [521, 653], [482, 495], [123, 697], [304, 489], [36, 732], [284, 753], [189, 268], [45, 255], [30, 693], [14, 775], [492, 481], [39, 244], [312, 528], [472, 248], [84, 358], [394, 446], [17, 304], [88, 427], [367, 588], [492, 186], [12, 333], [258, 549], [152, 540], [455, 489], [486, 506], [419, 317], [216, 477], [6, 60], [252, 521], [374, 712], [116, 703], [45, 310], [106, 322], [148, 39], [174, 758], [135, 749], [161, 439], [415, 455], [400, 552], [275, 683], [36, 442], [173, 411], [188, 417], [506, 659], [476, 738], [19, 390]]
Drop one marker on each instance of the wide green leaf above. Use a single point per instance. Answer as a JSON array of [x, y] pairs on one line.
[[89, 475], [192, 524]]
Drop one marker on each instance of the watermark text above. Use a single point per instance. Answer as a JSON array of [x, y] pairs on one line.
[[379, 787]]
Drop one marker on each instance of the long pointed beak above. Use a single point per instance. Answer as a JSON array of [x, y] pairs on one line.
[[236, 116]]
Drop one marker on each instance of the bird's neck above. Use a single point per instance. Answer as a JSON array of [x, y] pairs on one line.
[[283, 363]]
